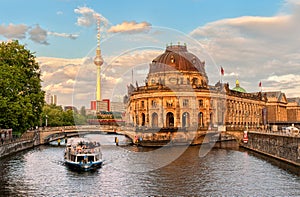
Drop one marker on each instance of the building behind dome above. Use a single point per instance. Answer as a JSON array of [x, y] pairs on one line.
[[238, 88], [177, 96]]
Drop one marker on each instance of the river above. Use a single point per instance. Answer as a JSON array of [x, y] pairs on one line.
[[224, 170]]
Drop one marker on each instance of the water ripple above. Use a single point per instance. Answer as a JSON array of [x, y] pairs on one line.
[[222, 172]]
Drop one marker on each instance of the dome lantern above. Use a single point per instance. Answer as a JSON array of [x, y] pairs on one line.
[[238, 88]]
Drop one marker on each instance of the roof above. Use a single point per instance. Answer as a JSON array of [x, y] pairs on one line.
[[177, 58], [294, 100], [276, 96]]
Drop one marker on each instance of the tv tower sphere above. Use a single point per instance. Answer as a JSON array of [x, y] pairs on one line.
[[98, 61]]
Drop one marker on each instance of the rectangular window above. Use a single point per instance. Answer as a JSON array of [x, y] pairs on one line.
[[211, 103], [143, 104], [169, 103], [185, 103], [153, 103], [200, 103]]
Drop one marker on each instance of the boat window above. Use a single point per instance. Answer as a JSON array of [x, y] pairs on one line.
[[72, 158], [91, 158], [80, 158]]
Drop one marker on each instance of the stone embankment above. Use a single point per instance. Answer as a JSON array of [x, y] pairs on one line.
[[282, 147], [28, 140]]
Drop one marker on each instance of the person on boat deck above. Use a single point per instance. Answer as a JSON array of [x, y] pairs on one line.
[[117, 141]]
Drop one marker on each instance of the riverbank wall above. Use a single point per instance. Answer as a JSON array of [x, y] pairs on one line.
[[29, 140], [282, 147]]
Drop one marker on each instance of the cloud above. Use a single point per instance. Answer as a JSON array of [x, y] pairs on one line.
[[59, 13], [288, 83], [256, 48], [14, 31], [88, 17], [74, 80], [289, 80], [130, 27], [58, 76], [64, 35], [38, 35]]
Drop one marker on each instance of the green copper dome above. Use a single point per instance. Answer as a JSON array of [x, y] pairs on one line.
[[238, 88]]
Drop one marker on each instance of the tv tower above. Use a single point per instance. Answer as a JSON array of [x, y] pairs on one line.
[[98, 61]]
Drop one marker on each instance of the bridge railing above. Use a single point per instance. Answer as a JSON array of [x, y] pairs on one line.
[[27, 136], [78, 127]]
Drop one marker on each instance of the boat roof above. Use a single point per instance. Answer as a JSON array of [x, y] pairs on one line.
[[77, 140]]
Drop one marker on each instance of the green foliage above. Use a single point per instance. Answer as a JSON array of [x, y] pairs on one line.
[[56, 116], [21, 97], [82, 111]]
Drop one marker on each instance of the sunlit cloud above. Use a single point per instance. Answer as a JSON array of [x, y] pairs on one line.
[[256, 48], [88, 17], [130, 27]]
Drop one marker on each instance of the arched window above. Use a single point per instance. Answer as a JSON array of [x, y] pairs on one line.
[[170, 119], [185, 119], [152, 82], [172, 59], [211, 119], [154, 120], [143, 119], [200, 119]]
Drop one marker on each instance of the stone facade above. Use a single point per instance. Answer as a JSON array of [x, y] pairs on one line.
[[293, 110], [177, 95], [281, 110], [276, 107]]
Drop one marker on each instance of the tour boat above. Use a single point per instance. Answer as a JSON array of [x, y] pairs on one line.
[[82, 154]]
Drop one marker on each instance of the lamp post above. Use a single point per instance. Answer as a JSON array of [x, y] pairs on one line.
[[46, 123]]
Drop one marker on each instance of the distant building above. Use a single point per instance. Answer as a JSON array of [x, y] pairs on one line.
[[73, 108], [54, 99], [276, 107], [282, 111], [117, 107], [90, 112], [103, 105], [293, 110], [50, 99]]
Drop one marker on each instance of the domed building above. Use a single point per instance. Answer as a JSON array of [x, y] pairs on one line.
[[238, 88], [177, 95]]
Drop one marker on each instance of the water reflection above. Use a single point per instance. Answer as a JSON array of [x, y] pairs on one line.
[[225, 171]]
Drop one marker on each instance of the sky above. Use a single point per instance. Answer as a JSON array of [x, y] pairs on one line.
[[254, 41]]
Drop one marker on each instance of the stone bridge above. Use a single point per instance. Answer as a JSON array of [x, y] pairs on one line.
[[49, 134], [237, 134], [191, 136]]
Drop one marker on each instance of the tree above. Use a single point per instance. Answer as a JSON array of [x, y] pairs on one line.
[[53, 114], [21, 97], [56, 116], [83, 111]]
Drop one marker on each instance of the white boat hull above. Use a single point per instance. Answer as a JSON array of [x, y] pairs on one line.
[[83, 155]]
